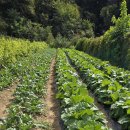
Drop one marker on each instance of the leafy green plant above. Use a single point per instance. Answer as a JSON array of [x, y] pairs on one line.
[[107, 90], [118, 74], [32, 73], [78, 109]]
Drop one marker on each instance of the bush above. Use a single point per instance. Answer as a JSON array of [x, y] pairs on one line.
[[61, 42], [24, 28]]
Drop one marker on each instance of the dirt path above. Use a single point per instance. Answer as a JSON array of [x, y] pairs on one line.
[[53, 114], [5, 99]]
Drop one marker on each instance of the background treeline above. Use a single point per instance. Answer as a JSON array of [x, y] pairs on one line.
[[114, 45], [63, 20], [65, 23], [43, 20]]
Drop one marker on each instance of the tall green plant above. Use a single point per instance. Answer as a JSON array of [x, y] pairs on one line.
[[122, 24], [113, 47]]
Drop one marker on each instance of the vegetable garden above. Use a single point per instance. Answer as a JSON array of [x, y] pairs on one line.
[[81, 80]]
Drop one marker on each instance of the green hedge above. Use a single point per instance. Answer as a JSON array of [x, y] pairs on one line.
[[90, 45], [117, 50]]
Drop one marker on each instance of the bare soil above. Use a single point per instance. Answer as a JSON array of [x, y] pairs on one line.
[[52, 115], [6, 96]]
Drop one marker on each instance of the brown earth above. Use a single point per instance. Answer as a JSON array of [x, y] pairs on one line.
[[52, 115], [6, 97]]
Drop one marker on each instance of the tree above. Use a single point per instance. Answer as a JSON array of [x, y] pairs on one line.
[[114, 38], [107, 13], [66, 18]]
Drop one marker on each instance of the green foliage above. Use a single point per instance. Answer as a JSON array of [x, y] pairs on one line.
[[90, 45], [11, 49], [61, 42], [50, 40], [32, 72], [90, 9], [67, 17], [114, 44], [33, 17], [127, 53], [107, 13], [109, 84], [3, 26], [78, 109], [27, 7], [114, 38], [67, 10], [118, 74], [23, 28]]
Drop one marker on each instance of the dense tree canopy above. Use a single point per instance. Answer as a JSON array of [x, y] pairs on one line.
[[37, 19]]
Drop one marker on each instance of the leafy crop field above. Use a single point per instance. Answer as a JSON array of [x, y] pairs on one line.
[[108, 84], [92, 94], [78, 109]]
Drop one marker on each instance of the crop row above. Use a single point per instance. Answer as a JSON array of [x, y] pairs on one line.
[[12, 54], [33, 74], [78, 110], [11, 49], [118, 74], [107, 90]]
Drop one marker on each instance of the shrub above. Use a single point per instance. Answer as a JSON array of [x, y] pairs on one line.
[[61, 42]]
